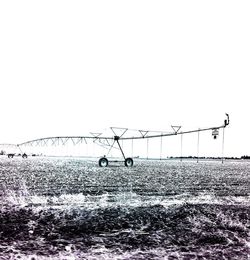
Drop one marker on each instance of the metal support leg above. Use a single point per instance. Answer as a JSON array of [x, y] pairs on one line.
[[121, 149], [20, 149]]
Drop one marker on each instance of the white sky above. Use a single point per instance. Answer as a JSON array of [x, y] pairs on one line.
[[72, 67]]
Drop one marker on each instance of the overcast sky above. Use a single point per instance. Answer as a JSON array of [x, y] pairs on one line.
[[72, 67]]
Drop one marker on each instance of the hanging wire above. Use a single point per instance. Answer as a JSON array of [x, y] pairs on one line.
[[132, 148], [161, 149], [222, 156], [147, 148], [181, 146], [198, 144]]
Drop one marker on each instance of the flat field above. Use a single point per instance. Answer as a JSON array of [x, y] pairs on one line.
[[69, 208]]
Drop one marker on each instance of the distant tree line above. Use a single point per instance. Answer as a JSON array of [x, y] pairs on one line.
[[245, 157], [210, 157]]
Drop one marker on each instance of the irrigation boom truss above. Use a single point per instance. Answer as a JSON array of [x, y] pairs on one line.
[[110, 141]]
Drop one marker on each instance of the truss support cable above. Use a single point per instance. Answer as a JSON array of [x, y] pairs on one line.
[[110, 148]]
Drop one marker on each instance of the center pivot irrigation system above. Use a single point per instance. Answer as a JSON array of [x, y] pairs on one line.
[[103, 162], [118, 135]]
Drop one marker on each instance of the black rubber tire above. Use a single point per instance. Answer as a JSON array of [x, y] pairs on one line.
[[129, 162], [24, 155], [103, 162]]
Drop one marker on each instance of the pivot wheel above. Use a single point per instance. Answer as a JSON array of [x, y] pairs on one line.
[[24, 155], [129, 162], [103, 162]]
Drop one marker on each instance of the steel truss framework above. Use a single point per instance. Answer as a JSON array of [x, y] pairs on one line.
[[119, 134]]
